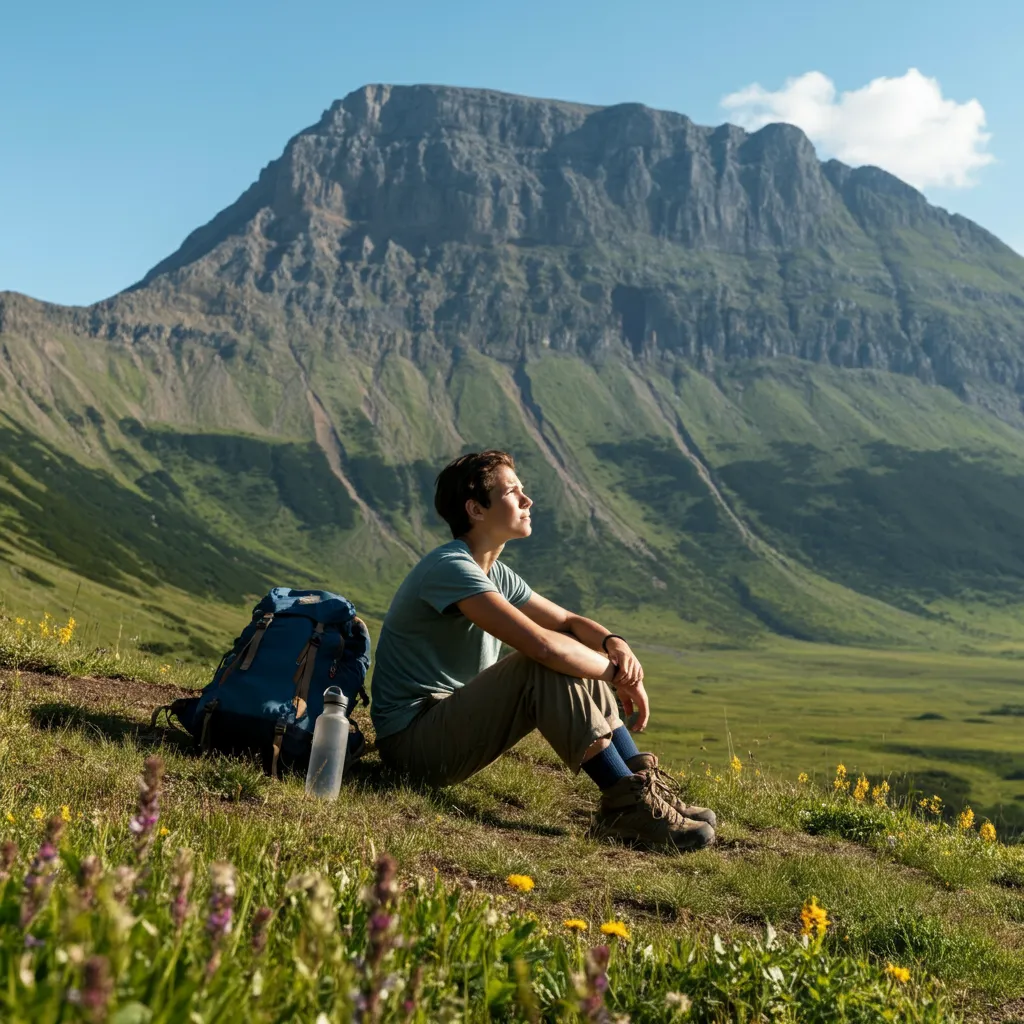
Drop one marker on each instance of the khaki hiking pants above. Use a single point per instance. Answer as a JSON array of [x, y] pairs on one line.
[[455, 737]]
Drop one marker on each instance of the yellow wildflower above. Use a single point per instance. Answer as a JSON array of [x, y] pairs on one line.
[[11, 820], [524, 883], [575, 924], [932, 805], [164, 830], [897, 973], [861, 789], [813, 919], [736, 765], [988, 832], [615, 928], [65, 633], [20, 622], [803, 778], [38, 813], [965, 821], [65, 812], [840, 783], [44, 625], [879, 793], [165, 668]]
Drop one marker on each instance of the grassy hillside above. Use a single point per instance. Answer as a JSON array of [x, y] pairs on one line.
[[707, 509], [923, 915]]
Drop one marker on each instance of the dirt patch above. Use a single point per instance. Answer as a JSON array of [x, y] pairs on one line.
[[136, 698]]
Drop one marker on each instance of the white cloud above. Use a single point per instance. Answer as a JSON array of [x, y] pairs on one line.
[[904, 125]]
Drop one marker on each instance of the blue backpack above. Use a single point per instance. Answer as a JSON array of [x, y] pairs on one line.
[[268, 690]]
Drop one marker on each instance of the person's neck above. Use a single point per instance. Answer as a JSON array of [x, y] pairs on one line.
[[485, 550]]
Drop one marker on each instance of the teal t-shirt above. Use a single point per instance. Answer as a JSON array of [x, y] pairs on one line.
[[426, 645]]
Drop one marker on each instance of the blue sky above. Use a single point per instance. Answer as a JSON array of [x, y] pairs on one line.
[[123, 126]]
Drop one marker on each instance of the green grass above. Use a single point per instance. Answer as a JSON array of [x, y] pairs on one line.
[[901, 885]]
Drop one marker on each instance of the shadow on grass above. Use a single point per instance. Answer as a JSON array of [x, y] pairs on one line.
[[109, 725], [372, 775]]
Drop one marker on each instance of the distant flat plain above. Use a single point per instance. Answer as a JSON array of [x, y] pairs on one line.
[[954, 722]]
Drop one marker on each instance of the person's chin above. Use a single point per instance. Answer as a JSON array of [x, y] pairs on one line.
[[526, 528]]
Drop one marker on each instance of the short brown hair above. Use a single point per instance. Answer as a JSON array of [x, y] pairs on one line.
[[470, 477]]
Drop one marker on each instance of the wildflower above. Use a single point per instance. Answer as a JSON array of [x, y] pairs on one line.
[[164, 830], [97, 987], [932, 805], [65, 812], [11, 819], [965, 820], [617, 928], [222, 901], [988, 832], [181, 883], [736, 765], [124, 882], [8, 855], [594, 984], [678, 1001], [44, 625], [813, 919], [65, 633], [524, 883], [165, 668], [575, 924], [41, 873], [38, 813], [145, 819], [379, 936], [89, 871], [840, 784], [803, 778], [861, 789], [260, 921], [897, 973], [20, 622], [879, 793]]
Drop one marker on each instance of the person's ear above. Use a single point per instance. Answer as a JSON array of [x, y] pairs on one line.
[[474, 510]]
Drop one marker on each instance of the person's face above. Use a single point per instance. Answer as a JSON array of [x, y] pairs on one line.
[[509, 514]]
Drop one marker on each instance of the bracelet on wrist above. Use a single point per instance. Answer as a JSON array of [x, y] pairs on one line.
[[611, 636]]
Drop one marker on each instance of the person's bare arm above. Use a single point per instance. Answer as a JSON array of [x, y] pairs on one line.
[[553, 647]]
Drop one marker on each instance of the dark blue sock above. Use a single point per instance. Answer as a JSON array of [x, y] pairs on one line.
[[606, 768], [622, 741]]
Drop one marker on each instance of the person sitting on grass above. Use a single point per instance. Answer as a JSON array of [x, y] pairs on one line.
[[444, 706]]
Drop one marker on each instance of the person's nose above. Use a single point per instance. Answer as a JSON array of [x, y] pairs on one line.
[[526, 502]]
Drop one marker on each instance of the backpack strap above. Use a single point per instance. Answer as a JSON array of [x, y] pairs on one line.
[[279, 729], [204, 735], [306, 661], [255, 640]]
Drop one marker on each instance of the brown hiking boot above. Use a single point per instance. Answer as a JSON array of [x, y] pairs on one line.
[[632, 811], [668, 789]]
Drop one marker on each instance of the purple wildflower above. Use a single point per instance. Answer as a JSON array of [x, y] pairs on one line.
[[41, 873], [143, 824], [380, 938], [8, 855], [97, 988], [89, 872], [221, 906], [181, 883], [260, 923], [594, 986]]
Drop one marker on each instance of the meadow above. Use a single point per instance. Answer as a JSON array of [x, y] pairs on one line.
[[212, 893]]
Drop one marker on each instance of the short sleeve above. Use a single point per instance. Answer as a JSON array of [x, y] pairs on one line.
[[512, 586], [453, 579]]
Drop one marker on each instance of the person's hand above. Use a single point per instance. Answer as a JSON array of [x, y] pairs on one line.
[[634, 699], [630, 671]]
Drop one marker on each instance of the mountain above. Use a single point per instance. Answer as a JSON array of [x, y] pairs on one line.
[[749, 391]]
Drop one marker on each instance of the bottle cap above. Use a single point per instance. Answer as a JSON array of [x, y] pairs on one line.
[[333, 695]]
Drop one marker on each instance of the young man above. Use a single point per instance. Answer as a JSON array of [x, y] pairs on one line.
[[444, 706]]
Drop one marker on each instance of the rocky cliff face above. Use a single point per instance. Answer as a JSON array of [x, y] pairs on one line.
[[425, 218]]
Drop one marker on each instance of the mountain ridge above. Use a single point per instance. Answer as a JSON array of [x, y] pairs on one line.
[[674, 325]]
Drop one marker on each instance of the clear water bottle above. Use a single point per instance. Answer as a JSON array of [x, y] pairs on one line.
[[330, 740]]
